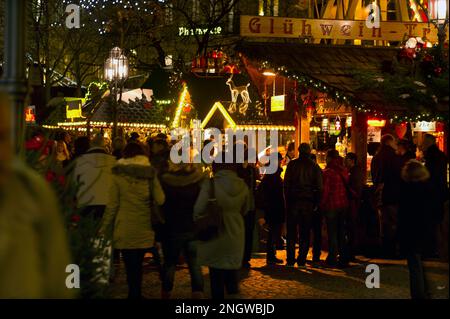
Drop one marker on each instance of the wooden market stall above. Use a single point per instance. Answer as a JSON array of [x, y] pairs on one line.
[[135, 113]]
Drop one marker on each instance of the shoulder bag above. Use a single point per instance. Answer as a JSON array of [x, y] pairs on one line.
[[157, 217], [210, 224]]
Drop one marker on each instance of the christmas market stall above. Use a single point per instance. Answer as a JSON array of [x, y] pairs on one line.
[[133, 111], [223, 100], [350, 95]]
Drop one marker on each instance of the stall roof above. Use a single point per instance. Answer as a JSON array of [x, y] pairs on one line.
[[334, 65], [133, 110]]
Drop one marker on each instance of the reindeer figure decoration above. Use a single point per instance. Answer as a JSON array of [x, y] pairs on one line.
[[235, 92]]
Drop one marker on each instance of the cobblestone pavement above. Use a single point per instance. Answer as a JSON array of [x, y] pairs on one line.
[[272, 282]]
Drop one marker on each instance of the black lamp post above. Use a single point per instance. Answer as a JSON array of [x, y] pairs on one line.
[[116, 73], [14, 80]]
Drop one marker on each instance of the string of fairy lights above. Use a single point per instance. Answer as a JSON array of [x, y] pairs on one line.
[[91, 6], [343, 98]]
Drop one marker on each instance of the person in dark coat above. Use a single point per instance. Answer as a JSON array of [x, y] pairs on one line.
[[271, 202], [385, 169], [355, 185], [249, 173], [317, 229], [417, 201], [436, 162], [405, 149], [302, 189], [81, 146], [181, 185], [159, 156]]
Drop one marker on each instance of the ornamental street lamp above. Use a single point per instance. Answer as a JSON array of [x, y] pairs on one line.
[[438, 15], [116, 73]]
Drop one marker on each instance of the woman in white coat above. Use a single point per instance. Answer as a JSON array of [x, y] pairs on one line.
[[223, 255]]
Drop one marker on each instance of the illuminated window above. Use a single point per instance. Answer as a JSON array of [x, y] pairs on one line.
[[268, 7]]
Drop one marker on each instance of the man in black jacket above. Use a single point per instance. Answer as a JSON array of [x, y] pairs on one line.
[[436, 163], [385, 169], [355, 185], [271, 201], [302, 188]]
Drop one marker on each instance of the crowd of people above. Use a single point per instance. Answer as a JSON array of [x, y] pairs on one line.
[[147, 204]]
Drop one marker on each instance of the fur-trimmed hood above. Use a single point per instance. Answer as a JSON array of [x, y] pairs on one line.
[[183, 177], [136, 167], [415, 171]]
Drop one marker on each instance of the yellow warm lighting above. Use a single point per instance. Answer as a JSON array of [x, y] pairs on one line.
[[268, 73], [176, 120], [376, 123], [51, 127], [222, 110], [266, 127]]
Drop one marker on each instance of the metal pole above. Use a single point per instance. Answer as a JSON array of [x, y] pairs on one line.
[[115, 111], [14, 80]]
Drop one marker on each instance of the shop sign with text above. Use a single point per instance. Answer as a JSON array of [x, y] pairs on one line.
[[424, 126], [258, 26]]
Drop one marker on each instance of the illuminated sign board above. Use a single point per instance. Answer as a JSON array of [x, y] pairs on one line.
[[424, 126], [278, 27], [373, 134], [376, 123], [73, 109], [183, 31], [277, 103]]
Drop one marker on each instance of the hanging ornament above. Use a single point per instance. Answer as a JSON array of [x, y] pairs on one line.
[[309, 103], [325, 125], [335, 127], [332, 129], [338, 123], [348, 121]]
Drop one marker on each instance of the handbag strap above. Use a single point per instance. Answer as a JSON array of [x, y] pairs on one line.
[[212, 190], [150, 190]]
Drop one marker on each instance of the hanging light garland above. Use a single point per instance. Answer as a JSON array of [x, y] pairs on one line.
[[351, 101]]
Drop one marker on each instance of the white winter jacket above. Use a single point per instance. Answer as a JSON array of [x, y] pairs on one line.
[[93, 173]]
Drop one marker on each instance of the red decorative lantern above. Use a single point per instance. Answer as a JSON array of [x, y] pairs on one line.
[[401, 129]]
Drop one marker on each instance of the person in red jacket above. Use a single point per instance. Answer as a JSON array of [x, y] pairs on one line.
[[334, 205]]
